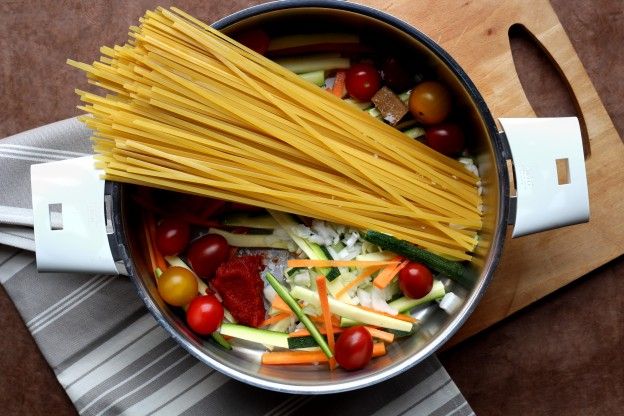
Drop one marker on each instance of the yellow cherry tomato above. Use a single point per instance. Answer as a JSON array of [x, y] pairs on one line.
[[430, 102], [177, 286]]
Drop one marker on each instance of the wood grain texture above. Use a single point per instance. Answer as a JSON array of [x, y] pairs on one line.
[[475, 33]]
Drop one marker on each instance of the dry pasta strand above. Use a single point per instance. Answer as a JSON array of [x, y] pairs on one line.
[[191, 110]]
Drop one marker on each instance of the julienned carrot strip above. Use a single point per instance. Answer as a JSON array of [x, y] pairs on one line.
[[337, 263], [399, 316], [151, 227], [275, 318], [379, 334], [308, 357], [305, 333], [150, 249], [319, 319], [339, 88], [385, 276], [321, 287], [279, 305], [367, 271], [387, 337]]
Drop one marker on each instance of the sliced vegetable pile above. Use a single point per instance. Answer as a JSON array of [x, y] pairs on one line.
[[340, 299], [384, 86], [345, 293]]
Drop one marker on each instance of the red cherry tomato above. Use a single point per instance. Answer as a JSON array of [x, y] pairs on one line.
[[415, 280], [204, 314], [446, 138], [354, 348], [430, 102], [256, 40], [362, 81], [172, 236], [395, 75], [207, 253]]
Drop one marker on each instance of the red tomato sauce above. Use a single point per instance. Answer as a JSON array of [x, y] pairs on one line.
[[239, 284]]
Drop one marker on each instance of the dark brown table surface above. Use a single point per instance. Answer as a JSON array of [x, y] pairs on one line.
[[561, 355]]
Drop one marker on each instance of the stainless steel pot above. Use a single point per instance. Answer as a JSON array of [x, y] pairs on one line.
[[101, 215]]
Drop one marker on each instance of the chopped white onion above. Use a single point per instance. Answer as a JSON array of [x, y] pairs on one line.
[[340, 229], [269, 293], [329, 82], [379, 303], [302, 231], [315, 238], [451, 303], [332, 252], [351, 239], [326, 232], [349, 253], [302, 278], [291, 324], [365, 298]]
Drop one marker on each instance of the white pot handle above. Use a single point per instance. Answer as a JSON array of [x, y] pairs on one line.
[[72, 217], [549, 173]]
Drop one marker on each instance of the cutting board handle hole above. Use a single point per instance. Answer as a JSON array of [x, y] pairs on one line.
[[542, 80]]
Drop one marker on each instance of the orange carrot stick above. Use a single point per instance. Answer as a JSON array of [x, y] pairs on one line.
[[339, 89], [379, 334], [308, 357], [384, 277], [305, 333], [279, 305], [359, 279], [151, 227], [150, 249], [275, 318], [399, 316], [319, 320], [321, 287], [387, 337], [337, 263]]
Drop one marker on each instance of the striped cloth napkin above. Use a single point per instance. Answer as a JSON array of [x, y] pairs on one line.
[[112, 357]]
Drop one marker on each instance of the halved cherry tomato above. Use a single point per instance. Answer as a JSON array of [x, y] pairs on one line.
[[362, 81], [207, 253], [204, 314], [430, 102], [415, 280], [354, 348], [446, 138], [172, 236], [256, 40], [177, 286]]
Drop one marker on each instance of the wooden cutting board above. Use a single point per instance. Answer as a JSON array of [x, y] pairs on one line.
[[475, 33]]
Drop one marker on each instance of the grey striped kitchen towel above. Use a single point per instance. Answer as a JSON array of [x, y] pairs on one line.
[[110, 354]]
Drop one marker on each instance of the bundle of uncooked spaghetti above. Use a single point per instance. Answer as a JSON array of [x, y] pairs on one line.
[[194, 111]]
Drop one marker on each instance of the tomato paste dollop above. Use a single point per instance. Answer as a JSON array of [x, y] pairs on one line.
[[238, 283]]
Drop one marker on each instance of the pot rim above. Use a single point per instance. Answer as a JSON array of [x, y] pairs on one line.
[[120, 237]]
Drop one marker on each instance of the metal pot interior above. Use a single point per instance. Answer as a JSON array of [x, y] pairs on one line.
[[437, 326]]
